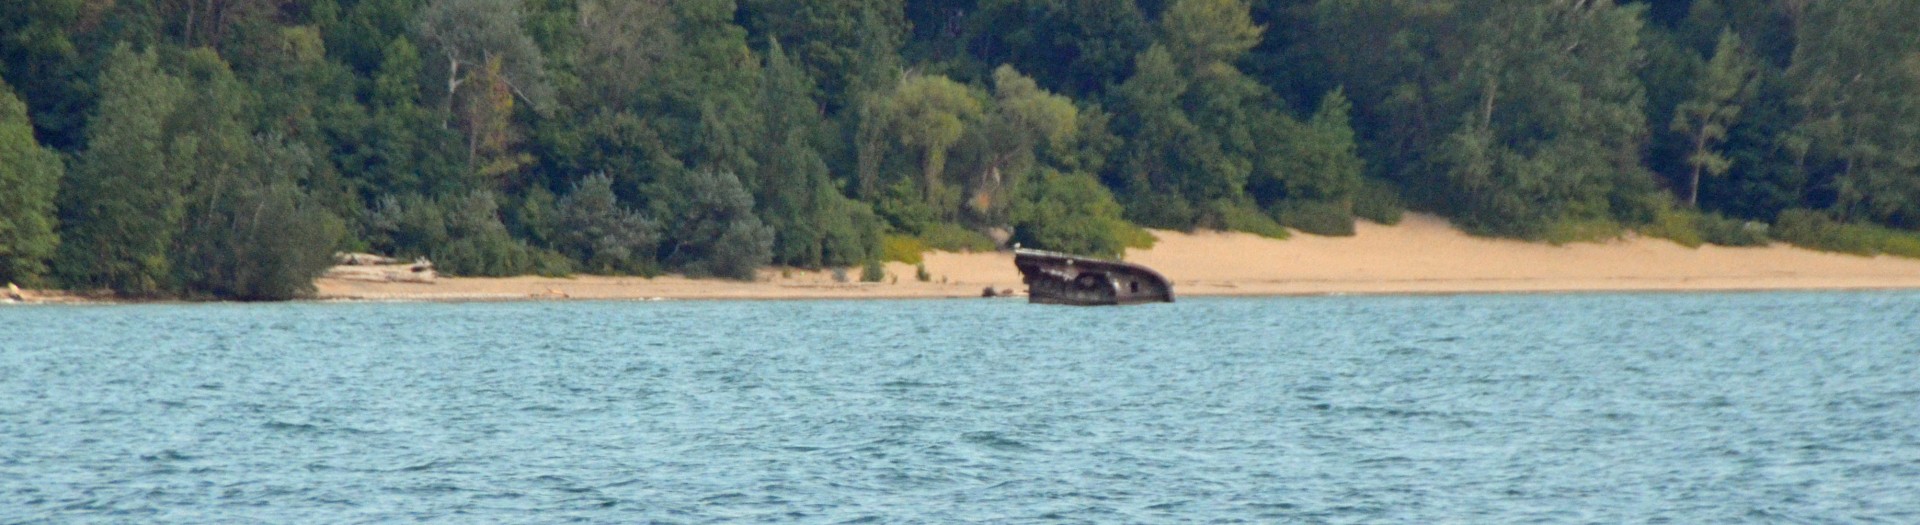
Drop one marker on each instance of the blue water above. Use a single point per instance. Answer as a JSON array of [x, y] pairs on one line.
[[1697, 408]]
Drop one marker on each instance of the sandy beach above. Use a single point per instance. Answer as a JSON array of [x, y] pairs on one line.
[[1421, 255]]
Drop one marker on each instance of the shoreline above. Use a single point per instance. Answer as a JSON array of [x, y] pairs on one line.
[[1182, 290], [1423, 255]]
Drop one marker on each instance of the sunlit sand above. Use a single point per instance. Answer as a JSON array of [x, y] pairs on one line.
[[1423, 254]]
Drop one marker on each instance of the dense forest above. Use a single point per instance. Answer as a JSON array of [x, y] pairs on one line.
[[226, 148]]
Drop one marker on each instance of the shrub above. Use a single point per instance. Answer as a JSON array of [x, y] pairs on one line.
[[1073, 213], [713, 231], [264, 243], [1720, 230], [1315, 217], [1681, 227], [1566, 231], [1692, 228], [851, 231], [949, 237], [1815, 230], [920, 273], [902, 248], [903, 207], [1378, 202], [873, 272], [1901, 244], [592, 228], [1245, 218], [498, 256], [1136, 237]]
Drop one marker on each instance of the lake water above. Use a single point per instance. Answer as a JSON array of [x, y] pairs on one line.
[[1683, 408]]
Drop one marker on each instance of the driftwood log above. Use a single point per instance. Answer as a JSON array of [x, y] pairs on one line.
[[370, 268]]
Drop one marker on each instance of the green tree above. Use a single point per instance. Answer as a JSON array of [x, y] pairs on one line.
[[1857, 69], [928, 114], [849, 47], [257, 235], [487, 62], [1202, 32], [122, 204], [1072, 213], [30, 175], [592, 227], [1164, 146], [1023, 119], [1549, 117], [814, 224], [249, 228], [626, 43], [1080, 48], [402, 149], [1311, 175], [38, 55], [1714, 107], [713, 231], [464, 35]]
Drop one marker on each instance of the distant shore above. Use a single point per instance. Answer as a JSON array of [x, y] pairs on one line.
[[1421, 255]]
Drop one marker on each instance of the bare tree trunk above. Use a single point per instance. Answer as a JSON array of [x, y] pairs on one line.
[[1699, 146], [453, 87]]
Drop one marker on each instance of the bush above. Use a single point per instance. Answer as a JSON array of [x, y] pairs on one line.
[[1314, 217], [874, 271], [1378, 202], [498, 256], [903, 207], [1815, 230], [1136, 237], [713, 231], [1691, 228], [406, 226], [264, 243], [1901, 244], [463, 236], [902, 248], [1159, 210], [1681, 227], [949, 237], [593, 229], [851, 231], [920, 273], [1073, 213], [1245, 218], [1567, 231], [1722, 231]]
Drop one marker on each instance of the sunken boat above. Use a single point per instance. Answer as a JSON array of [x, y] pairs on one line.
[[1059, 278]]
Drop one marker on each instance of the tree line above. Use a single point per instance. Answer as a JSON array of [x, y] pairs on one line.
[[225, 148]]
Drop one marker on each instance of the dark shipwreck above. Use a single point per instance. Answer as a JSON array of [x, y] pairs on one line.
[[1059, 278]]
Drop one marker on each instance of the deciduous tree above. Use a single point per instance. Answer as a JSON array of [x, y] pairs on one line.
[[1715, 105], [30, 176], [122, 204]]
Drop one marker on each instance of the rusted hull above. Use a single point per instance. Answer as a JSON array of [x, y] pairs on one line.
[[1058, 278]]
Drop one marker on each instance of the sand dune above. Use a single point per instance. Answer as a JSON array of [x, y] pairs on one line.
[[1423, 254]]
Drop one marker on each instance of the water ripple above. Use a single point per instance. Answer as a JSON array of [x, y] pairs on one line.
[[1727, 408]]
